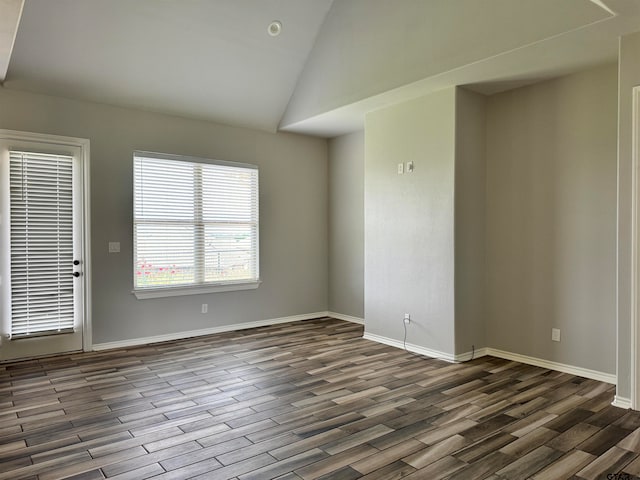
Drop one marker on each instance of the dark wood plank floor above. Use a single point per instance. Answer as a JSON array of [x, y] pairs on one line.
[[301, 401]]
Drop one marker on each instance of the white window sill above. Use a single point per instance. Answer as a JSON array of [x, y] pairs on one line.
[[142, 294]]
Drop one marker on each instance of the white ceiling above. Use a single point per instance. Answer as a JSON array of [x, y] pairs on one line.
[[334, 61], [207, 59]]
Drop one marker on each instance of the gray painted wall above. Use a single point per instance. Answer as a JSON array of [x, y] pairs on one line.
[[470, 220], [425, 231], [409, 224], [293, 212], [346, 225], [507, 227], [551, 219], [629, 72]]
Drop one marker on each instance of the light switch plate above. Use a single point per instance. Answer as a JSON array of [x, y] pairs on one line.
[[400, 168], [114, 247]]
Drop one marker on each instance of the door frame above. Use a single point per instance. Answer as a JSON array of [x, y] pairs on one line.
[[635, 252], [85, 238]]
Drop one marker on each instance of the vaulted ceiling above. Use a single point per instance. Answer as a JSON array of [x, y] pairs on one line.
[[333, 61]]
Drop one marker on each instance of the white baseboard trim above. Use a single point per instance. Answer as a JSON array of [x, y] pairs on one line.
[[346, 318], [621, 402], [560, 367], [205, 331], [465, 357], [410, 347], [481, 352]]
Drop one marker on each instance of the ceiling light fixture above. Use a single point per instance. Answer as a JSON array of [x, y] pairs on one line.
[[274, 28]]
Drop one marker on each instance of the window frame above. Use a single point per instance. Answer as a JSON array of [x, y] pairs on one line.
[[201, 287]]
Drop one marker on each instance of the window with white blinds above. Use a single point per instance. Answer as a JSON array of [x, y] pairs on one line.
[[195, 222], [41, 210]]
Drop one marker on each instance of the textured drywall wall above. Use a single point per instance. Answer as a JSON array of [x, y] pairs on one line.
[[551, 219], [470, 221], [409, 221], [293, 212], [346, 225]]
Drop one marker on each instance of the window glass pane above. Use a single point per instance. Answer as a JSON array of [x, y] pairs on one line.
[[164, 190], [228, 194], [165, 255], [229, 252]]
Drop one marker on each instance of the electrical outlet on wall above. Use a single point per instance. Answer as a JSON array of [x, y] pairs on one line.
[[407, 319], [205, 307], [555, 334]]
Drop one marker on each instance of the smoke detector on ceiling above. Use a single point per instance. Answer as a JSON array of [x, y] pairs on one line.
[[274, 28]]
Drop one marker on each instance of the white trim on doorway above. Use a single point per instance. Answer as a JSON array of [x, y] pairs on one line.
[[635, 266], [83, 145]]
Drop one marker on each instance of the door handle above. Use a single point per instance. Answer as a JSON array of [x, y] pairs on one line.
[[76, 274]]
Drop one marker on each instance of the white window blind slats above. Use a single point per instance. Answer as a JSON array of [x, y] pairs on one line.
[[41, 234], [165, 255], [162, 194], [65, 304], [228, 254], [194, 223]]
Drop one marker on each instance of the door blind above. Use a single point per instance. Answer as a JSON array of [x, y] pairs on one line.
[[41, 201]]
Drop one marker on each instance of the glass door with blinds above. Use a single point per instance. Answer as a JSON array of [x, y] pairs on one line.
[[42, 258]]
